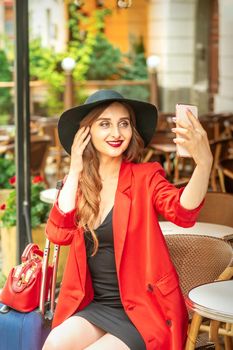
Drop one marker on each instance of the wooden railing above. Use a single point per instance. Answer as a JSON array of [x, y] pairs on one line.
[[89, 84]]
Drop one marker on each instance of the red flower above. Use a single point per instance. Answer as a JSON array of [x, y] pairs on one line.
[[37, 179], [3, 206], [12, 180]]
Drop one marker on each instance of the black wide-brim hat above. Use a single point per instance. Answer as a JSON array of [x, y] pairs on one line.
[[145, 113]]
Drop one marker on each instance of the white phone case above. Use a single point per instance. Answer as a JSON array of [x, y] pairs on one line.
[[181, 110]]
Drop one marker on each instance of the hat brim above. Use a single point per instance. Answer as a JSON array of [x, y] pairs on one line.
[[146, 116]]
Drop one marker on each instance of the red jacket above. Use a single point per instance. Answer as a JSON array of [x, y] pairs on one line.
[[148, 282]]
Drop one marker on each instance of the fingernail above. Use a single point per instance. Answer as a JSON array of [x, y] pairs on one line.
[[173, 129], [174, 119]]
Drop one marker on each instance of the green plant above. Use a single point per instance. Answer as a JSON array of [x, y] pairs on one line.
[[85, 33], [106, 60], [45, 65], [39, 209], [6, 104], [2, 280], [7, 170], [135, 68], [96, 58]]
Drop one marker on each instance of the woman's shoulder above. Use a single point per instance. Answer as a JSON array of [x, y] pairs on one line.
[[149, 168]]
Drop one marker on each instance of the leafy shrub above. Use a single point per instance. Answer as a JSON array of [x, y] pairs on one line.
[[6, 104], [7, 170], [106, 60], [39, 209], [2, 280], [135, 69]]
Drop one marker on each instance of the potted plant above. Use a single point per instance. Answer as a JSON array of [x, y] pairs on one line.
[[7, 170], [39, 215]]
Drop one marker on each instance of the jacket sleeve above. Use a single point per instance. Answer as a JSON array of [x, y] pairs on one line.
[[61, 227], [166, 199]]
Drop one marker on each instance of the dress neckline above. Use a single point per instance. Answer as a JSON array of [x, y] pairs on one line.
[[103, 222]]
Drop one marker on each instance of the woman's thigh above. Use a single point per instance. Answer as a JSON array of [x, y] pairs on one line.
[[106, 342], [75, 333]]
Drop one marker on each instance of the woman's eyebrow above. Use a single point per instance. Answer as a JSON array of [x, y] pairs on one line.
[[104, 118]]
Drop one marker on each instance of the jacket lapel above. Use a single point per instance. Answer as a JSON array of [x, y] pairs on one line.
[[81, 258], [121, 211]]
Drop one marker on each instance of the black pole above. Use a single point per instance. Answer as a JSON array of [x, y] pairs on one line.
[[22, 121]]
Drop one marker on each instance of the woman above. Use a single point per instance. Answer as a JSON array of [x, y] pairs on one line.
[[120, 289]]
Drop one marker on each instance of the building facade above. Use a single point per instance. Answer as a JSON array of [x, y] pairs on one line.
[[47, 20], [194, 39]]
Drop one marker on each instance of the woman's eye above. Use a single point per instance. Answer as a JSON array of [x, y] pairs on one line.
[[124, 124], [104, 124]]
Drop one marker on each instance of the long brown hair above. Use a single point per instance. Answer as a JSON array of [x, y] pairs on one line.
[[90, 184]]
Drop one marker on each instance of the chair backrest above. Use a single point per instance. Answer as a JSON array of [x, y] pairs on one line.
[[225, 166], [209, 127], [220, 148], [47, 126], [163, 137], [165, 121], [215, 124], [217, 209], [198, 259], [38, 152]]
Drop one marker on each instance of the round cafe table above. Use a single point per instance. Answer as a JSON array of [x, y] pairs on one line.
[[200, 228], [213, 300]]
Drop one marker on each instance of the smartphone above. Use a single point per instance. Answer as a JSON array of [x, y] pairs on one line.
[[181, 114]]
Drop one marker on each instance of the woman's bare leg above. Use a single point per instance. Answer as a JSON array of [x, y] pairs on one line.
[[106, 342], [75, 333]]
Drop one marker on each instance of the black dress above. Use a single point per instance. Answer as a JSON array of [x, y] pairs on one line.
[[106, 310]]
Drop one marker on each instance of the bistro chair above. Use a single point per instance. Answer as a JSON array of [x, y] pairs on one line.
[[162, 148], [198, 260], [56, 153], [165, 121], [38, 154], [217, 209], [225, 173], [220, 150], [216, 124]]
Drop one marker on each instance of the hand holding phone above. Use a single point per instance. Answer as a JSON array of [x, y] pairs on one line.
[[181, 115]]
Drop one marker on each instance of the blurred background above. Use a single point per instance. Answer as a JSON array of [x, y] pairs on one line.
[[164, 52], [191, 42]]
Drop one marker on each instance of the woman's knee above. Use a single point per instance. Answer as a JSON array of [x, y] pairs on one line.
[[54, 341], [74, 333]]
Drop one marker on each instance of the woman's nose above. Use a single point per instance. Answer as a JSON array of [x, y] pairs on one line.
[[115, 131]]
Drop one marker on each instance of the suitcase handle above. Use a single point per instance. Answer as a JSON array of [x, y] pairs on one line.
[[44, 278], [4, 309], [56, 252]]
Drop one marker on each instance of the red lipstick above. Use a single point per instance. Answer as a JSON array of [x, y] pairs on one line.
[[115, 143]]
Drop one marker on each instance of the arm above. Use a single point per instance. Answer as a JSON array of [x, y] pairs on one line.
[[197, 187], [167, 200], [67, 197], [61, 225], [194, 138]]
